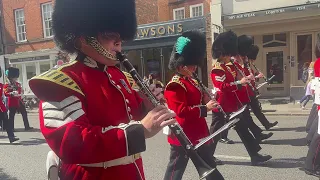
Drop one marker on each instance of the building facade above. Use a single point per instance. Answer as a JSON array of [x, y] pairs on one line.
[[151, 50], [28, 37], [286, 33]]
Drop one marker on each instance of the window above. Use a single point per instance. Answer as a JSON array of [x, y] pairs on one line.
[[196, 10], [47, 19], [178, 13], [20, 25], [274, 40]]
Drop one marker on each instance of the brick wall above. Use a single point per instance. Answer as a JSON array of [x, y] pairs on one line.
[[147, 12], [34, 29]]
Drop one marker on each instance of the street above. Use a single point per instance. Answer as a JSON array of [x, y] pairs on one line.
[[26, 160]]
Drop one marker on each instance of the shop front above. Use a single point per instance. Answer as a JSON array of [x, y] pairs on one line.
[[286, 37], [151, 50], [31, 64]]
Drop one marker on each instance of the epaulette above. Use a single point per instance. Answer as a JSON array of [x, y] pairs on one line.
[[195, 81], [229, 64], [217, 65], [56, 76], [176, 79]]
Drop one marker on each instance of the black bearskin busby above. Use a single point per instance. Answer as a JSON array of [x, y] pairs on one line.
[[72, 19], [226, 44], [253, 52], [12, 72], [190, 49], [244, 44]]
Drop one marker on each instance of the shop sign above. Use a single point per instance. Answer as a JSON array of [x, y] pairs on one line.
[[273, 11], [27, 59], [170, 28]]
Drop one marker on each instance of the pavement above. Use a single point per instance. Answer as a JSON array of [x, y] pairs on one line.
[[25, 160]]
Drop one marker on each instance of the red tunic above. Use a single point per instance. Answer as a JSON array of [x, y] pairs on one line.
[[317, 72], [13, 101], [184, 97], [2, 105], [224, 81], [87, 115], [243, 93]]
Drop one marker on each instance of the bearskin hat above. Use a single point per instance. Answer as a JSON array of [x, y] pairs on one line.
[[190, 49], [226, 44], [244, 44], [253, 52], [74, 18], [12, 72]]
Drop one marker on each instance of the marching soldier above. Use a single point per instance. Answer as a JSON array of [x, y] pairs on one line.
[[255, 104], [185, 98], [244, 94], [94, 122], [312, 162], [226, 84], [6, 124], [13, 91]]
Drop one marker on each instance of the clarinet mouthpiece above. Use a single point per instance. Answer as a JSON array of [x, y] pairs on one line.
[[121, 57]]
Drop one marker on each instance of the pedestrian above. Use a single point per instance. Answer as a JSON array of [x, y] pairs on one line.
[[308, 94], [91, 118]]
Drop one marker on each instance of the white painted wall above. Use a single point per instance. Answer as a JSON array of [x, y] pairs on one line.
[[240, 6]]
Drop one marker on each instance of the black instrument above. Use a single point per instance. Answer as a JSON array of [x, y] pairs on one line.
[[243, 75], [176, 129]]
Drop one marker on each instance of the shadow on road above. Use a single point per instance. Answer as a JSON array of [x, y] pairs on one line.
[[273, 163], [22, 130], [292, 142], [295, 129], [32, 142], [4, 176]]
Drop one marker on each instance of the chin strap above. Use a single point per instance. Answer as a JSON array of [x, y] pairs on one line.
[[93, 42]]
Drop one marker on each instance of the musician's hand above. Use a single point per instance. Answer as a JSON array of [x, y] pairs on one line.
[[156, 119], [251, 77], [244, 80], [260, 75], [211, 105]]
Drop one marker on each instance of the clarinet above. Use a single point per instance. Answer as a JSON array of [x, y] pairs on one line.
[[205, 89], [243, 75], [176, 129], [260, 72]]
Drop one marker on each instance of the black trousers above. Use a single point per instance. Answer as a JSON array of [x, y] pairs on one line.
[[257, 111], [312, 161], [313, 130], [253, 127], [6, 124], [242, 130], [23, 111], [179, 160], [313, 116]]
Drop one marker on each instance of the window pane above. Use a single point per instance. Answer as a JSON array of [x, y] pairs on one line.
[[267, 38], [44, 66], [304, 49], [281, 37], [275, 66]]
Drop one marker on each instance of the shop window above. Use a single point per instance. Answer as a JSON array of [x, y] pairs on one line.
[[179, 13], [274, 40], [20, 25], [196, 10], [47, 19], [44, 66], [304, 52]]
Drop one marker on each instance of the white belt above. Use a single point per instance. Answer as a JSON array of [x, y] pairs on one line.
[[116, 162]]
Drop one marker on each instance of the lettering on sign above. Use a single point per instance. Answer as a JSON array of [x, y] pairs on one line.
[[301, 8], [276, 11], [161, 30]]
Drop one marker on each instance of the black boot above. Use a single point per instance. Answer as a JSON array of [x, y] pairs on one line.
[[13, 139], [270, 125], [258, 159], [264, 136]]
